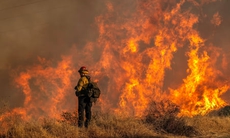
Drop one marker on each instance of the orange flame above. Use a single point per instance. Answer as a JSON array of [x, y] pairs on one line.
[[201, 90], [45, 88], [140, 48]]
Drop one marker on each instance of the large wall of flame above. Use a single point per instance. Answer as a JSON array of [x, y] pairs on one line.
[[41, 32]]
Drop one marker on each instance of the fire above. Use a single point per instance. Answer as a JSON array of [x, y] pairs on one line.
[[144, 44], [45, 88], [134, 49], [200, 92]]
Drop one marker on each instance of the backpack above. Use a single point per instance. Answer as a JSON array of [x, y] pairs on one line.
[[93, 89]]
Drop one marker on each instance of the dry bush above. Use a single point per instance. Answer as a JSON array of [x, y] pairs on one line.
[[225, 111], [222, 112], [163, 117]]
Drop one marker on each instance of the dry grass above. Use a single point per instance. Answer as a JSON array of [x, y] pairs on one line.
[[160, 121], [213, 126], [102, 125]]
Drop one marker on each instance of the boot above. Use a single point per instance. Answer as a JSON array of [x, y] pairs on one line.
[[87, 123], [80, 124]]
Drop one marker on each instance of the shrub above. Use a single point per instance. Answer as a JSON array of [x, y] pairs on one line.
[[223, 112], [163, 117]]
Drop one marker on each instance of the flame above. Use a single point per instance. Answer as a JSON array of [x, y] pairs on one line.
[[45, 89], [140, 48], [129, 60], [200, 92]]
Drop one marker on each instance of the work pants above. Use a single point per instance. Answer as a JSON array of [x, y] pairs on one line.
[[84, 107]]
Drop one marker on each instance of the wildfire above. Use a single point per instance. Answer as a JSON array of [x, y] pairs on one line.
[[140, 48], [134, 49], [45, 89], [200, 92]]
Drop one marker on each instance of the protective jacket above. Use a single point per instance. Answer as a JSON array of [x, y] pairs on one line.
[[81, 86]]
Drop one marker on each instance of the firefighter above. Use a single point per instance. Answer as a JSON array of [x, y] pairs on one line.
[[84, 103]]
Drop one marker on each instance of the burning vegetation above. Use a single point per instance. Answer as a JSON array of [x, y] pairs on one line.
[[136, 49]]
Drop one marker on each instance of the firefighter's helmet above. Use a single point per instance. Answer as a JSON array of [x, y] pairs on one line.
[[83, 70]]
